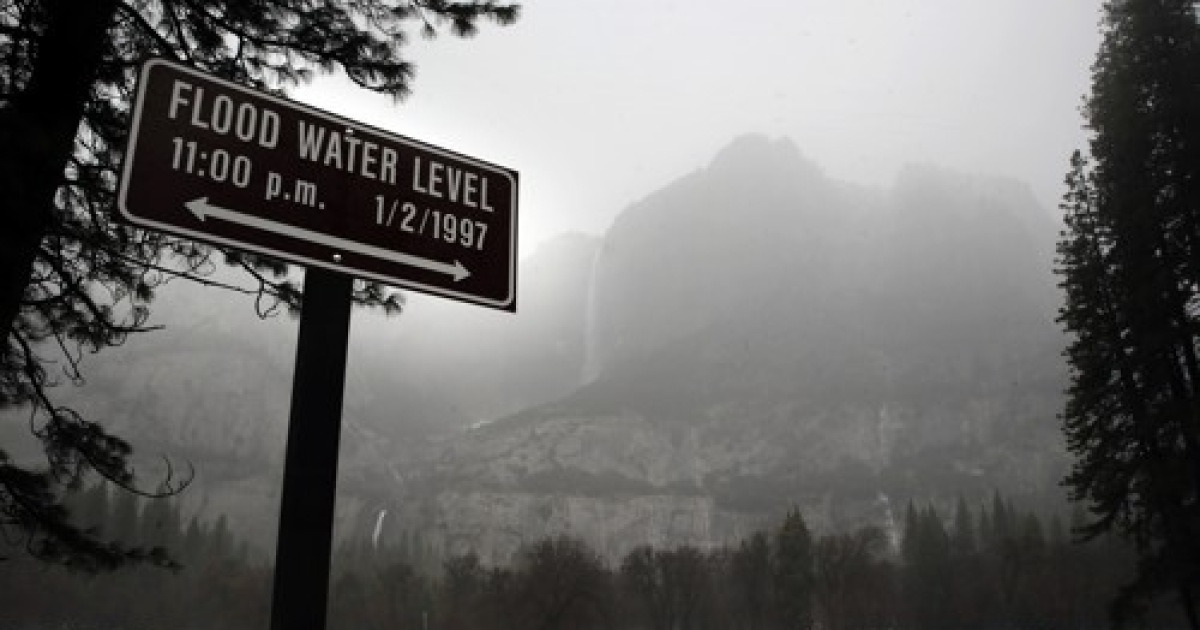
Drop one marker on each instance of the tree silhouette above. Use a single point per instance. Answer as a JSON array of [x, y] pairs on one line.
[[73, 280], [462, 592], [927, 569], [794, 579], [671, 587], [751, 574], [644, 584], [562, 584], [969, 593], [1130, 266], [849, 579]]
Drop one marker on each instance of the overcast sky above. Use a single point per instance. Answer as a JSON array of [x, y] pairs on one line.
[[599, 102]]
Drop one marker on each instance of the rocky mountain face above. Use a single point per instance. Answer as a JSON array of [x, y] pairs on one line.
[[750, 337], [760, 336], [210, 393]]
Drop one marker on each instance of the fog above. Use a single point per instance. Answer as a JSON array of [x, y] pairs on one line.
[[751, 235], [775, 256], [598, 102]]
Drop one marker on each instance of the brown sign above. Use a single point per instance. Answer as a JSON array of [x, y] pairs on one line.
[[214, 161]]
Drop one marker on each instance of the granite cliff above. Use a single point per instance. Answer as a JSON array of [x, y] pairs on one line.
[[752, 336], [760, 336]]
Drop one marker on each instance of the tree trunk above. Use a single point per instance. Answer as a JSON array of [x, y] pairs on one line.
[[37, 135]]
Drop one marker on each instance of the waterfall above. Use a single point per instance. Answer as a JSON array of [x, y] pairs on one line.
[[591, 362], [378, 529], [890, 527]]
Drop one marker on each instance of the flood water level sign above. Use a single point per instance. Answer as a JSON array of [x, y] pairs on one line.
[[218, 162]]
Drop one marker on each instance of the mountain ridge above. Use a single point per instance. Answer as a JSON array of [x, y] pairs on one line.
[[751, 336], [930, 369]]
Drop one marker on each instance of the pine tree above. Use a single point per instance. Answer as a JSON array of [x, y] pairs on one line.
[[964, 540], [751, 571], [162, 524], [927, 569], [220, 542], [1129, 260], [74, 280], [1002, 520], [794, 579], [986, 530], [192, 545], [848, 579], [968, 587], [910, 544]]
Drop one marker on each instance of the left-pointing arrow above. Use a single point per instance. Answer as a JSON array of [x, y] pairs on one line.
[[203, 210]]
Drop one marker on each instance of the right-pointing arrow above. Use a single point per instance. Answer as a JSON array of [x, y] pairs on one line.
[[203, 210]]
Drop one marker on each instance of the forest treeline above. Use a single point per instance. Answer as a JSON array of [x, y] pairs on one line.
[[989, 565]]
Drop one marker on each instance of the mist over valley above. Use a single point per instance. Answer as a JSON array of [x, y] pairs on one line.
[[750, 337]]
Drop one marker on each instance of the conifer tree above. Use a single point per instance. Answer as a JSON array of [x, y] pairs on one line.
[[162, 524], [847, 581], [794, 579], [964, 540], [751, 570], [968, 588], [910, 544], [927, 568], [1002, 521], [1129, 261], [192, 545], [72, 280]]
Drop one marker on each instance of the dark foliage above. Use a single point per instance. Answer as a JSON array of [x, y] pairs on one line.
[[1129, 260], [72, 279], [1013, 571]]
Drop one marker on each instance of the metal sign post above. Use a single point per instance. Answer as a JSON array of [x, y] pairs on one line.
[[214, 161], [302, 554]]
